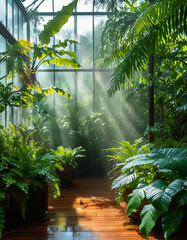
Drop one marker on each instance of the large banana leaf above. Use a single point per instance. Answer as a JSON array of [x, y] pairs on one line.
[[136, 198], [54, 25], [123, 180], [139, 161], [63, 61], [174, 159], [149, 216], [159, 194], [171, 221]]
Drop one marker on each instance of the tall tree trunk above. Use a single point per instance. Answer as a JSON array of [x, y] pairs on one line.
[[151, 99], [151, 95]]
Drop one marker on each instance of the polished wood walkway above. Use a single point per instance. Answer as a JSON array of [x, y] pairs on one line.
[[87, 211]]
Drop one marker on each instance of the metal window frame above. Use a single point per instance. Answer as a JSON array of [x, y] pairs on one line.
[[10, 37], [92, 70]]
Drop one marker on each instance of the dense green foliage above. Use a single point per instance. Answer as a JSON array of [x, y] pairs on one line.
[[159, 177], [135, 31], [22, 168], [65, 156]]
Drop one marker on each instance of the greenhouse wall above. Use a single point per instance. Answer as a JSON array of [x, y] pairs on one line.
[[84, 26], [14, 24]]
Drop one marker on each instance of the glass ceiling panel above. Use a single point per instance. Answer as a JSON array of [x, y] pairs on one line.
[[46, 6], [85, 6], [3, 12], [59, 3]]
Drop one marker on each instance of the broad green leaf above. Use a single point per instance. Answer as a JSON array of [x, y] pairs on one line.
[[149, 216], [174, 159], [136, 198], [160, 195], [180, 199], [63, 61], [54, 25], [171, 221], [123, 180], [139, 161]]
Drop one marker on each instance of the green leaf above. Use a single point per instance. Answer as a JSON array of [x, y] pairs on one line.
[[160, 195], [63, 61], [171, 221], [139, 161], [149, 216], [54, 25], [174, 159], [136, 198], [123, 180], [180, 199]]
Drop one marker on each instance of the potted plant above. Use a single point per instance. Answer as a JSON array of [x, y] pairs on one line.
[[25, 174], [66, 162]]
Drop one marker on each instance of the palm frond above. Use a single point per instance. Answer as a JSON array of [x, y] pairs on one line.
[[160, 23]]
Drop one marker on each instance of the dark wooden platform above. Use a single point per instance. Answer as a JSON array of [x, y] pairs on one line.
[[86, 211]]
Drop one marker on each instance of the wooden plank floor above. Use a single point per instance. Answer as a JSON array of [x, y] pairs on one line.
[[87, 211]]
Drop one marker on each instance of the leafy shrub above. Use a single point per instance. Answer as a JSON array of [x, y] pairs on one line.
[[22, 168], [120, 156], [65, 156], [165, 191]]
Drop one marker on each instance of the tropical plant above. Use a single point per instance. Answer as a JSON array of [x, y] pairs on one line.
[[65, 156], [120, 156], [12, 97], [22, 166], [25, 58], [165, 191], [137, 31], [134, 37], [92, 132], [126, 150]]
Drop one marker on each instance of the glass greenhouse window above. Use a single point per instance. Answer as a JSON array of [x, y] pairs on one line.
[[24, 28], [58, 4], [10, 16], [85, 38], [20, 25], [46, 6], [101, 82], [16, 21], [64, 80], [85, 90], [3, 11], [83, 6], [2, 72]]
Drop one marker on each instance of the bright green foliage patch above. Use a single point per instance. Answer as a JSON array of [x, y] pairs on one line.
[[54, 25]]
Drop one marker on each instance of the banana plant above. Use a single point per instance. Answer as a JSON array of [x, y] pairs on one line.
[[25, 58], [166, 192]]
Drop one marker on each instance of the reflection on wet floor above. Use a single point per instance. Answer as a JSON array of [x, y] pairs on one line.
[[87, 211], [73, 236]]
